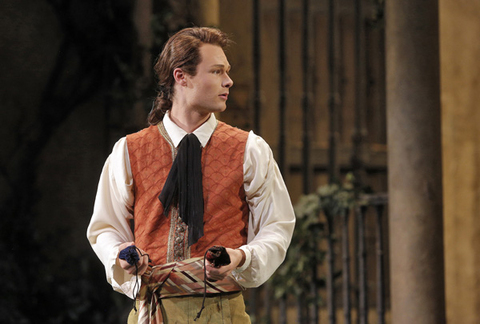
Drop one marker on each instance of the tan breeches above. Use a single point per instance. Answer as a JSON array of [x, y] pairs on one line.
[[222, 309]]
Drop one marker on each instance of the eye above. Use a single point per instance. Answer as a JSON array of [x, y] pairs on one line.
[[216, 71]]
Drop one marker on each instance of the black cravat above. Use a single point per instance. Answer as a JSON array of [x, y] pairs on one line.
[[184, 185]]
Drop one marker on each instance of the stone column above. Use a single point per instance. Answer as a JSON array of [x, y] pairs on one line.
[[414, 162]]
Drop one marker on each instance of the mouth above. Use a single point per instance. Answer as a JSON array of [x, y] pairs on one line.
[[224, 96]]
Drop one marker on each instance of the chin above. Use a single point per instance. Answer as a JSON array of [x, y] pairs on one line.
[[218, 109]]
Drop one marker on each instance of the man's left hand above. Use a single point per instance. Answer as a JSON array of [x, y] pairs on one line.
[[237, 258]]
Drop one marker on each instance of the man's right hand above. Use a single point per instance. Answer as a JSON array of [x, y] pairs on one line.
[[131, 269]]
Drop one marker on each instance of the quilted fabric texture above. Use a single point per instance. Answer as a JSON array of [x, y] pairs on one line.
[[225, 209]]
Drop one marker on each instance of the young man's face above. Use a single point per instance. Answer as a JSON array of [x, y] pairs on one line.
[[208, 90]]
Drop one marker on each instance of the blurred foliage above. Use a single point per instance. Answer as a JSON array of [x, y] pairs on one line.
[[46, 280], [298, 272]]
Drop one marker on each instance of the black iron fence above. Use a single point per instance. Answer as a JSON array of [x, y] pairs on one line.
[[347, 285], [345, 278]]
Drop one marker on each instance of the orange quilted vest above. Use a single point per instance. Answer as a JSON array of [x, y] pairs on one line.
[[165, 239]]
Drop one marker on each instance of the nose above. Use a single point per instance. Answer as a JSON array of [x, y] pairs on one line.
[[228, 82]]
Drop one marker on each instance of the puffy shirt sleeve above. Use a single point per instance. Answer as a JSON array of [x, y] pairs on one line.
[[110, 223], [271, 219]]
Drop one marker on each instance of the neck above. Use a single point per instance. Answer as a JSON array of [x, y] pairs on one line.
[[188, 120]]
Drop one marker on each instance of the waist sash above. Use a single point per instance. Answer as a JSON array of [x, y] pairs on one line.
[[183, 278]]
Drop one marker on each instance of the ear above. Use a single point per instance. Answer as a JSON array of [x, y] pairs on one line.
[[180, 77]]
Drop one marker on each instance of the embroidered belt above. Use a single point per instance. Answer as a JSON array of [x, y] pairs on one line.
[[183, 278]]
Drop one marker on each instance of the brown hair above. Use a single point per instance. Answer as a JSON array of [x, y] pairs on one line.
[[182, 50]]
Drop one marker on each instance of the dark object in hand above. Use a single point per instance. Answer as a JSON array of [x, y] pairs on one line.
[[129, 254], [217, 256]]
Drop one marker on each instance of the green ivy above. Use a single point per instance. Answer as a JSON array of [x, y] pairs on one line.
[[296, 275]]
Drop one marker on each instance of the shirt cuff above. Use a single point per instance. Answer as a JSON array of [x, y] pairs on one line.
[[120, 280], [248, 260]]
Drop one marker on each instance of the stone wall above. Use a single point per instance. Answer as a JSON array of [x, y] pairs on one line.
[[460, 84]]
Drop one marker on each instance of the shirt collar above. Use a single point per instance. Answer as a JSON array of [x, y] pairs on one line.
[[203, 133]]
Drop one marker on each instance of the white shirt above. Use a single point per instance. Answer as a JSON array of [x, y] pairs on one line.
[[271, 215]]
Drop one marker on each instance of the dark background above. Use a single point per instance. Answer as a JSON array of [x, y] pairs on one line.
[[69, 80]]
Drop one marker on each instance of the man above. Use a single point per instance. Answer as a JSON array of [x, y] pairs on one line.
[[187, 193]]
